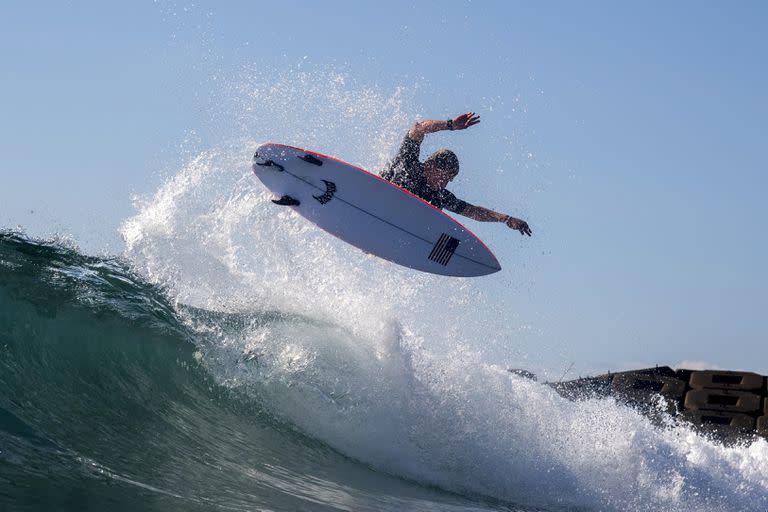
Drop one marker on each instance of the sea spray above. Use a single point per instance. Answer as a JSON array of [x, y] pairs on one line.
[[375, 360]]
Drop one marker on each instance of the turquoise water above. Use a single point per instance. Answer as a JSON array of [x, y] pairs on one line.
[[104, 405], [116, 396]]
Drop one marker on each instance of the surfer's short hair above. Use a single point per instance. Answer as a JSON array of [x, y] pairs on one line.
[[444, 159]]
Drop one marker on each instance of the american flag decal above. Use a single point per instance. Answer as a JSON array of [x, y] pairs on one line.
[[443, 250]]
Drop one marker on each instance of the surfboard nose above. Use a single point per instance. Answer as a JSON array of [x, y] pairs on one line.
[[253, 161]]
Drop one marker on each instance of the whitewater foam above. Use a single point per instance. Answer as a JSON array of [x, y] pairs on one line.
[[356, 356], [458, 423]]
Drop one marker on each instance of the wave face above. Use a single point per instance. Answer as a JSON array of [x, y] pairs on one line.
[[105, 403], [111, 393]]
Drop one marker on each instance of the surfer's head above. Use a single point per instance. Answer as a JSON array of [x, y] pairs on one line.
[[441, 167]]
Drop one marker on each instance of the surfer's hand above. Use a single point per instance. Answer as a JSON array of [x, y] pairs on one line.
[[464, 121], [519, 225]]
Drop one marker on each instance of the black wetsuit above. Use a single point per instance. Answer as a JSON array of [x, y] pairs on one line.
[[407, 171]]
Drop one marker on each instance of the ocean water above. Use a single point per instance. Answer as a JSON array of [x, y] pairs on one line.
[[169, 379]]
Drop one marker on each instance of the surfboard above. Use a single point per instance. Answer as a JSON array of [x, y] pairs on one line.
[[370, 213]]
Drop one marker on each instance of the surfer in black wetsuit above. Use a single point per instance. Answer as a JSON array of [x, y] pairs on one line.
[[429, 179]]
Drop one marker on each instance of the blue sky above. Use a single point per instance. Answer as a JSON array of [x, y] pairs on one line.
[[631, 137]]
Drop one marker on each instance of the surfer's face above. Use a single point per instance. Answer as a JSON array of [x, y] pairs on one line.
[[438, 178]]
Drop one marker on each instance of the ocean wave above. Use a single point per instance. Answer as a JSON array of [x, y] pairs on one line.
[[106, 400]]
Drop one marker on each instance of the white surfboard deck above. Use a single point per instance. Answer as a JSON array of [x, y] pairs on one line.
[[371, 213]]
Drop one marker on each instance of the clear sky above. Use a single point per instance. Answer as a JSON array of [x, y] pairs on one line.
[[631, 137]]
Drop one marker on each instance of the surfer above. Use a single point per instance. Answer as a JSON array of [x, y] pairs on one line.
[[429, 179]]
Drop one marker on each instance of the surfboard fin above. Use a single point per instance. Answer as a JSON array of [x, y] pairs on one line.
[[311, 160], [270, 163], [287, 201]]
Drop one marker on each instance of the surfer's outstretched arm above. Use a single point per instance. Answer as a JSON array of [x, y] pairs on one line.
[[420, 129], [485, 215]]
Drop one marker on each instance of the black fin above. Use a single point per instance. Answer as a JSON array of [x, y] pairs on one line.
[[311, 160], [270, 163], [287, 201]]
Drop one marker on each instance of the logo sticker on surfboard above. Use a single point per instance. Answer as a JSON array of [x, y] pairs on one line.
[[443, 249], [330, 189]]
